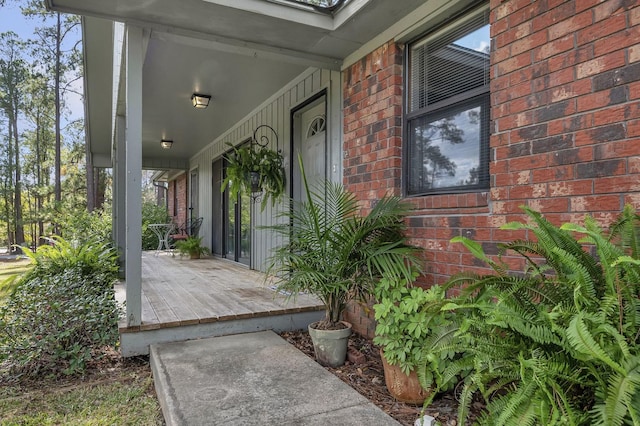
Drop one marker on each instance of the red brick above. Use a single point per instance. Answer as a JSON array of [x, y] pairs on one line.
[[552, 174], [608, 9], [570, 25], [600, 64], [601, 99], [554, 47], [601, 29], [582, 5], [570, 58], [545, 205], [633, 128], [633, 165], [634, 16], [617, 184], [514, 63], [528, 191], [620, 40], [617, 149], [555, 14], [596, 203], [571, 188]]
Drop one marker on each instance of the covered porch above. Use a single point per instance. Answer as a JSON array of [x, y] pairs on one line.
[[186, 299]]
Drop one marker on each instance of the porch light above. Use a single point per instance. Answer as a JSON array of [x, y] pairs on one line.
[[166, 143], [200, 101]]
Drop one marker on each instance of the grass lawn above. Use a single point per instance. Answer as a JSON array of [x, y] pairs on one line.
[[118, 396], [9, 269], [114, 391]]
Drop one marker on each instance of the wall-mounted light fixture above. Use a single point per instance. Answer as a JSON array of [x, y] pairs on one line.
[[200, 101], [166, 143]]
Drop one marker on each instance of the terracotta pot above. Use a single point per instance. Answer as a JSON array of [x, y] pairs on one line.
[[194, 256], [330, 346], [403, 387]]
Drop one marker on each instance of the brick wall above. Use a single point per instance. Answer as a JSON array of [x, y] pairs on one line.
[[372, 93], [178, 192], [565, 109]]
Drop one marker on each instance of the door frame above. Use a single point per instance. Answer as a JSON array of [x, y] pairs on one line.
[[299, 109]]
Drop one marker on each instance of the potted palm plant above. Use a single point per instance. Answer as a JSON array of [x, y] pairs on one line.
[[337, 255]]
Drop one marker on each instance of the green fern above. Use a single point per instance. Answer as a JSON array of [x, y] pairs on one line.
[[561, 344]]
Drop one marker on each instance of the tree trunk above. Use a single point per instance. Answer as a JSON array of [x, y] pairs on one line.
[[18, 193], [57, 184], [39, 232], [101, 187]]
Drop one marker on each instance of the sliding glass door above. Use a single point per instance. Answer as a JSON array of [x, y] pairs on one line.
[[236, 224]]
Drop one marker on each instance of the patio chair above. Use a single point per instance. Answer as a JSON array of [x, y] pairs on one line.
[[190, 228]]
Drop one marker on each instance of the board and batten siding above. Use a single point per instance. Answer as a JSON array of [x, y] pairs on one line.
[[275, 112]]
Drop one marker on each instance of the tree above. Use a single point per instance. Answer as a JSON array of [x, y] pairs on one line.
[[13, 73], [61, 65], [38, 159]]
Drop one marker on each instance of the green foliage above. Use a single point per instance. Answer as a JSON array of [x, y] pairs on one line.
[[255, 158], [192, 246], [10, 273], [77, 224], [61, 311], [336, 254], [559, 344], [94, 256], [409, 322], [152, 213]]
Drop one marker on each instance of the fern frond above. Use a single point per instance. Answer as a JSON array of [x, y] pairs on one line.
[[620, 395], [625, 231], [582, 340]]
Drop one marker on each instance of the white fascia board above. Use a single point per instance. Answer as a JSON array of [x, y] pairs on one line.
[[300, 15], [347, 11], [409, 27]]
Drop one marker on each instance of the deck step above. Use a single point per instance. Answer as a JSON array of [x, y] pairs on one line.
[[137, 341]]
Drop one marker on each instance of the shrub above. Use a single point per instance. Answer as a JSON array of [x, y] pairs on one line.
[[560, 343], [409, 321], [62, 312], [192, 246], [78, 224], [93, 256], [152, 213]]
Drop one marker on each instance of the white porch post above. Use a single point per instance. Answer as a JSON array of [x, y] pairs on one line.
[[119, 190], [133, 161]]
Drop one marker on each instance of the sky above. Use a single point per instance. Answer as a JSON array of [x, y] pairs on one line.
[[11, 19]]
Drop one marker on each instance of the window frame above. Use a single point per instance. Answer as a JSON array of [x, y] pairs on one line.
[[479, 96]]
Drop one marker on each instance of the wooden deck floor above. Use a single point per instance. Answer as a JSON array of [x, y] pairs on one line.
[[180, 292]]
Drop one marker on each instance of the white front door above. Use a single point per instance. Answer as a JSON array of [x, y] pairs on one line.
[[311, 144]]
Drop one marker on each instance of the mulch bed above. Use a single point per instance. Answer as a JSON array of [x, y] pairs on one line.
[[366, 375]]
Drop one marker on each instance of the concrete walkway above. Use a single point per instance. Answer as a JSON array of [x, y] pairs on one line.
[[253, 379]]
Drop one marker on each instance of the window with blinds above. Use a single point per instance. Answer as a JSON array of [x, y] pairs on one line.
[[447, 117]]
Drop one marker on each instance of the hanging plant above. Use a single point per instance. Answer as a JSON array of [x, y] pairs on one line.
[[255, 170]]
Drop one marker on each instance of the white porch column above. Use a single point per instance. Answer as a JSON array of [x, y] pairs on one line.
[[119, 190], [133, 161]]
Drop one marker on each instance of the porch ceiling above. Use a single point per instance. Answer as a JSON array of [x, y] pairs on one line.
[[238, 51]]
